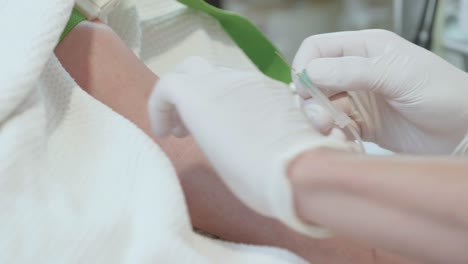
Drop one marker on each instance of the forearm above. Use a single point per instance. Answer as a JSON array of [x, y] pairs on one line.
[[405, 205], [100, 63], [104, 67], [107, 70]]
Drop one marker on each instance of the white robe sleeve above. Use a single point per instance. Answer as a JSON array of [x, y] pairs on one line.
[[29, 32], [78, 182]]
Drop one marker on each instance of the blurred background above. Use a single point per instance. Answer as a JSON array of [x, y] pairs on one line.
[[438, 25]]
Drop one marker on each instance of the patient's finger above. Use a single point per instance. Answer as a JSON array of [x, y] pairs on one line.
[[344, 103]]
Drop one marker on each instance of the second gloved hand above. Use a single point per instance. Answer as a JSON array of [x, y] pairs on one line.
[[248, 127], [408, 99]]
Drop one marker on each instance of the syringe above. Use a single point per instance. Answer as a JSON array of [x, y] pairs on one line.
[[340, 119]]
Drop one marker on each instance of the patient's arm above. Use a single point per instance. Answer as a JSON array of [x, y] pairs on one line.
[[106, 69]]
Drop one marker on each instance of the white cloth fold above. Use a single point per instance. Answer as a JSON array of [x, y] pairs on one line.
[[78, 182]]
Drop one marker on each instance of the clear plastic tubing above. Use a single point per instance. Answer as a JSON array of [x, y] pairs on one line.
[[341, 119], [462, 149]]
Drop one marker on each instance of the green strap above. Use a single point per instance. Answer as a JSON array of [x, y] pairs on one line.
[[246, 35], [249, 38], [75, 18]]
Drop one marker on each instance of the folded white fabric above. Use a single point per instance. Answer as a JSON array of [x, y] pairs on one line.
[[171, 32], [78, 182]]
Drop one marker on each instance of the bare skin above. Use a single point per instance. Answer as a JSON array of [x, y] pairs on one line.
[[101, 64], [389, 201]]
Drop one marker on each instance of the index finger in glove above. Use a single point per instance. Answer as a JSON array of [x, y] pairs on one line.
[[365, 43], [161, 108]]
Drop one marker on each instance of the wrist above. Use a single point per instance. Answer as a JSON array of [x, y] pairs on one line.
[[314, 172], [102, 65]]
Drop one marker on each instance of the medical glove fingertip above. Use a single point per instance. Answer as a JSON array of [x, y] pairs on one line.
[[160, 111], [160, 125], [317, 115], [338, 134], [180, 132]]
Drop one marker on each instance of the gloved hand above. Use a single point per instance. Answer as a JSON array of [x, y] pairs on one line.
[[407, 99], [247, 125]]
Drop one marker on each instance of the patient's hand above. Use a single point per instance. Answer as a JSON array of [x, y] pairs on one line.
[[101, 63]]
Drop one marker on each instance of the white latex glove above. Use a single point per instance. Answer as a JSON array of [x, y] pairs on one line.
[[248, 127], [407, 99]]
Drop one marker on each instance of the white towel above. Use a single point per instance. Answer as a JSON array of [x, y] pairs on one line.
[[78, 182]]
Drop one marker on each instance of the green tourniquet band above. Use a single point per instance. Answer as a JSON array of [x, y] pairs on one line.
[[75, 19], [246, 35], [249, 38]]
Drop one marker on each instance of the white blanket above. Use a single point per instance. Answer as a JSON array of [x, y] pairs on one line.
[[80, 183]]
